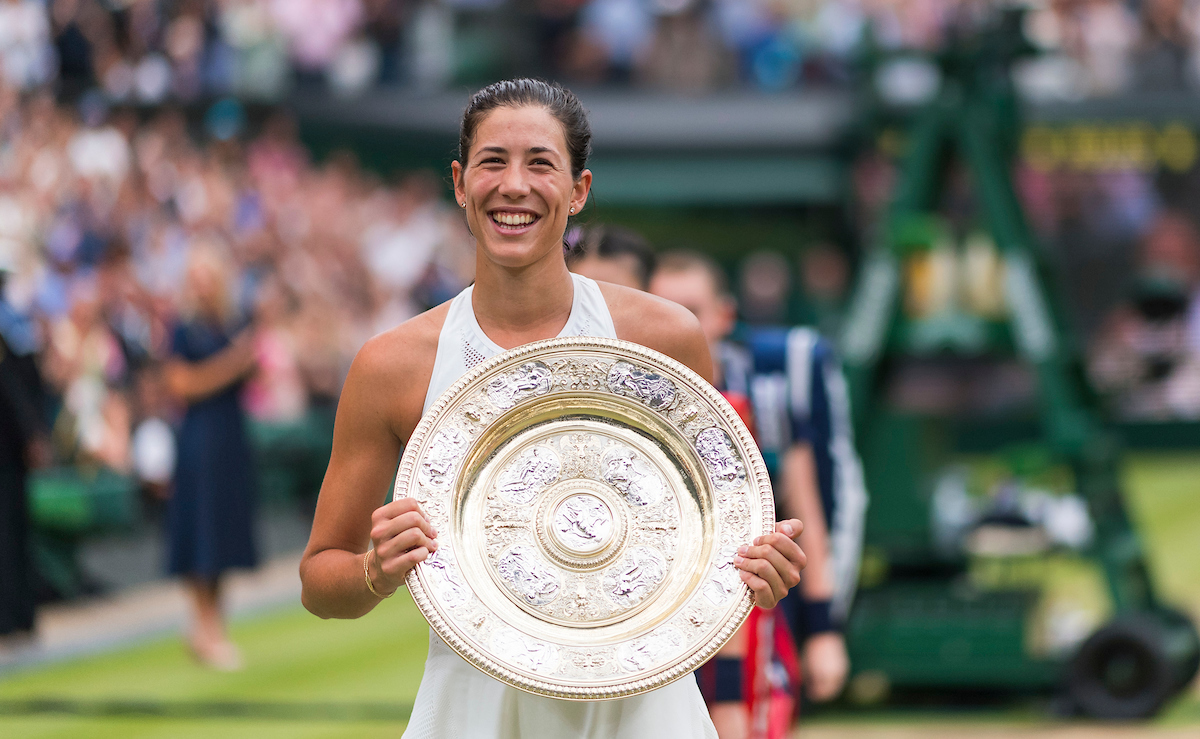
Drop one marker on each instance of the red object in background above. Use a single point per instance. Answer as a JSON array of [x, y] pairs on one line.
[[771, 674], [745, 411]]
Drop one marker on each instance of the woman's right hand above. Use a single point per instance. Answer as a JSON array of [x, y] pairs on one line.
[[403, 537]]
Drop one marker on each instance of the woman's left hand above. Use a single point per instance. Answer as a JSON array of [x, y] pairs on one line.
[[771, 565]]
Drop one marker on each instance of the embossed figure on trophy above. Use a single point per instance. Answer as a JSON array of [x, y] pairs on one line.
[[445, 451], [632, 476], [580, 453], [532, 580], [523, 651], [528, 475], [652, 389], [445, 573], [643, 653], [636, 576], [725, 578], [583, 523], [531, 378], [724, 466]]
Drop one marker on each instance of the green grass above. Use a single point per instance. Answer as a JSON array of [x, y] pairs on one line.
[[351, 678], [311, 678], [56, 727], [1164, 501]]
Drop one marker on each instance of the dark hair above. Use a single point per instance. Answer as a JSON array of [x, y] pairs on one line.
[[686, 260], [610, 242], [519, 93]]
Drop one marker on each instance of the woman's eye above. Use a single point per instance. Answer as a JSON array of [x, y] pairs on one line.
[[541, 163]]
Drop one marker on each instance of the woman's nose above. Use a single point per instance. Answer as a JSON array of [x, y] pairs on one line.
[[514, 182]]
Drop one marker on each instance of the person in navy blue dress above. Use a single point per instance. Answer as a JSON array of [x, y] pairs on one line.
[[211, 513]]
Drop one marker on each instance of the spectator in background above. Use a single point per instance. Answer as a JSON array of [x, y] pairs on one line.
[[87, 367], [749, 685], [765, 285], [787, 387], [211, 513], [23, 444], [277, 392], [1163, 58], [1147, 355], [611, 254], [825, 280], [26, 57]]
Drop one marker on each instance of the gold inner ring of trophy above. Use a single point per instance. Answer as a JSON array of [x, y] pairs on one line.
[[555, 414], [582, 552]]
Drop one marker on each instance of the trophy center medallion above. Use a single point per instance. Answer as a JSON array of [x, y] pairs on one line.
[[582, 524]]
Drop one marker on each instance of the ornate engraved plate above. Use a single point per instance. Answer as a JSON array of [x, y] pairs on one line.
[[590, 495]]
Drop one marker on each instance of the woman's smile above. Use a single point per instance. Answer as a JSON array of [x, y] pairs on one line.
[[513, 221]]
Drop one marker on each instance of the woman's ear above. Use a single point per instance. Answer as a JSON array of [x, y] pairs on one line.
[[460, 191], [579, 194]]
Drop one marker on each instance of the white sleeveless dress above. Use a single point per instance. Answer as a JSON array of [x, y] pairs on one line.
[[457, 701]]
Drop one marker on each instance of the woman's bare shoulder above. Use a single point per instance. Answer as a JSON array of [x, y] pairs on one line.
[[393, 368], [659, 324], [407, 346]]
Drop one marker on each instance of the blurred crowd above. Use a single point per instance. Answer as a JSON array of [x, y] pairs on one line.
[[1106, 47], [104, 218], [154, 50]]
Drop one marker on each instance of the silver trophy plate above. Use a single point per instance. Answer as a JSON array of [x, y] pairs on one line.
[[589, 496]]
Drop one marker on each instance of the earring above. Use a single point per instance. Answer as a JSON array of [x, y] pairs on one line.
[[572, 208], [462, 205]]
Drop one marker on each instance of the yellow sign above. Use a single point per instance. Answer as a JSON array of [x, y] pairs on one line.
[[1117, 146]]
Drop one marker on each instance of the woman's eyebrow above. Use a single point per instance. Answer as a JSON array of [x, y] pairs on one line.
[[530, 150]]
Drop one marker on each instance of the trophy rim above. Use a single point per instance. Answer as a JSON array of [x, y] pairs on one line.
[[756, 472]]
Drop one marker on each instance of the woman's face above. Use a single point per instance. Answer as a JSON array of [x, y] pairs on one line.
[[517, 185]]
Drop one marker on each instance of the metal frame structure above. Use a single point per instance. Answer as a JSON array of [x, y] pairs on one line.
[[1129, 667]]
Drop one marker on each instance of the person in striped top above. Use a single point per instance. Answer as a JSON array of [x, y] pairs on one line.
[[787, 386]]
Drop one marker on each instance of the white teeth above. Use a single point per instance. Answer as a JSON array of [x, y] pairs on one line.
[[513, 219]]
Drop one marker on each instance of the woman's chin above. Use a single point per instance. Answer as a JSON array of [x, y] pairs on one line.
[[516, 254]]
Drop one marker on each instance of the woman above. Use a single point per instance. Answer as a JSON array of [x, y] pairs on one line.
[[210, 516], [521, 174]]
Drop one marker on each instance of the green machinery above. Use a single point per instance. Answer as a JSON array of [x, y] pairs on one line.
[[921, 623]]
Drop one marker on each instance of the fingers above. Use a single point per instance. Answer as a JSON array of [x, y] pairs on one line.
[[402, 537], [386, 529], [769, 557], [395, 569], [404, 541], [784, 555], [764, 596], [786, 538], [394, 509], [761, 569], [771, 566], [791, 528]]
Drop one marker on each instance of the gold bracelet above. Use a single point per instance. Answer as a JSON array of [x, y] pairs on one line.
[[367, 577]]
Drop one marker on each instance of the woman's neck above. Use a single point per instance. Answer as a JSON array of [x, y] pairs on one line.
[[515, 307]]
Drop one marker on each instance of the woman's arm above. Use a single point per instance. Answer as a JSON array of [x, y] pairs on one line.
[[380, 404], [195, 381]]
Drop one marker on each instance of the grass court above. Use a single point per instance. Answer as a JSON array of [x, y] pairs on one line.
[[311, 678]]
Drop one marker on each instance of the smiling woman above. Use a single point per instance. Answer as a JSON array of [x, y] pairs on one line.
[[520, 176]]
